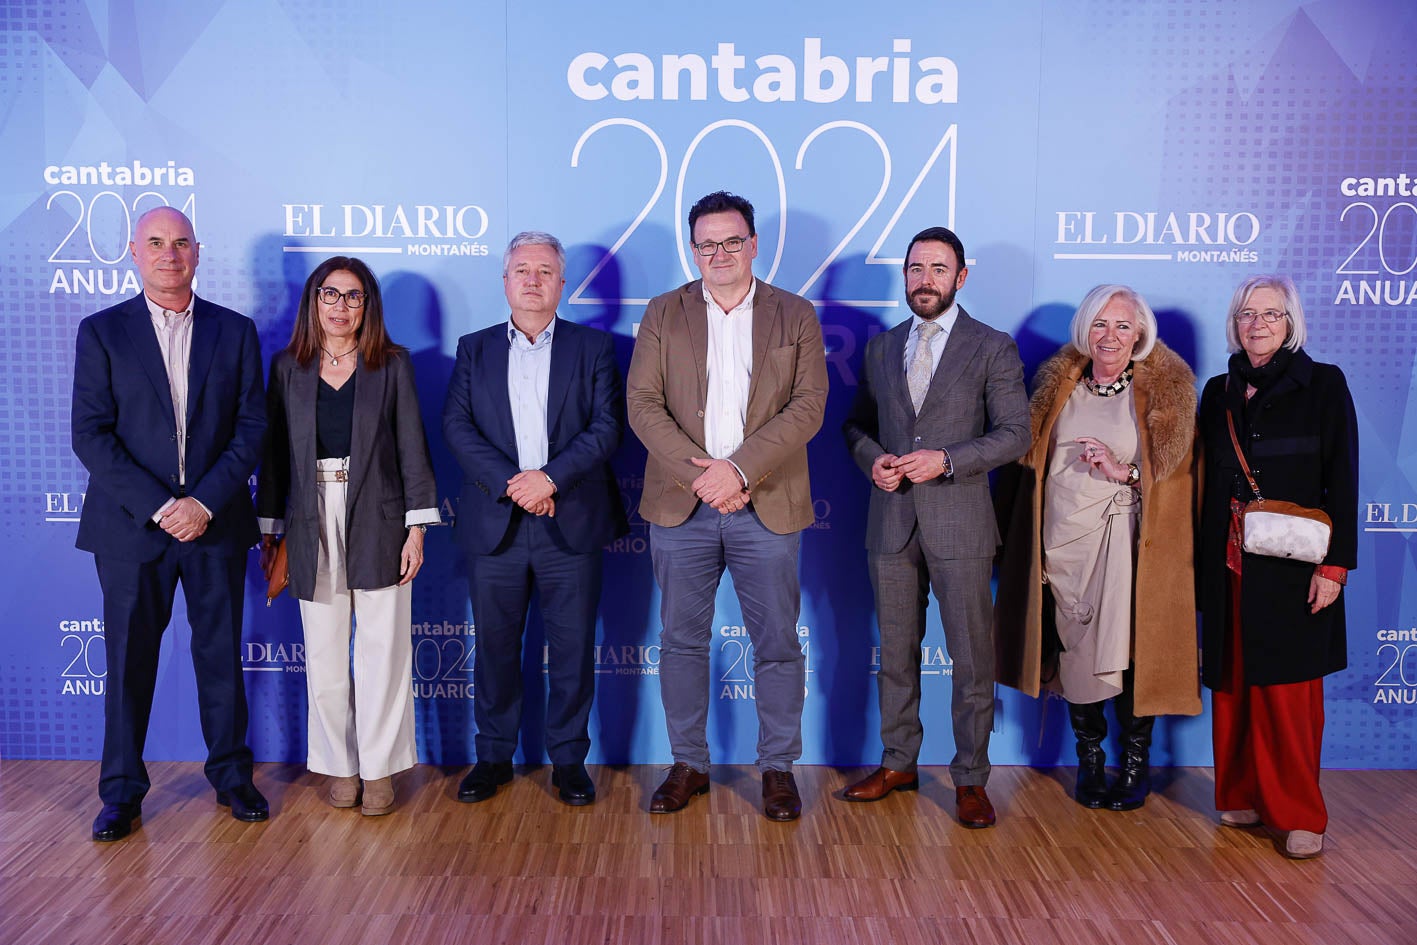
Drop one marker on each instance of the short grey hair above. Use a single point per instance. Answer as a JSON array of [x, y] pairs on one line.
[[534, 238], [1298, 330], [1096, 300]]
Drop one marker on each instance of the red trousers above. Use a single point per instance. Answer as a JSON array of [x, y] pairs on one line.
[[1267, 742]]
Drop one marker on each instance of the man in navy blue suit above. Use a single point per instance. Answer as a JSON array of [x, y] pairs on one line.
[[534, 411], [168, 417]]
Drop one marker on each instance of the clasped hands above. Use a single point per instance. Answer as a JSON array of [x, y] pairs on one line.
[[533, 491], [720, 485], [918, 466], [184, 519]]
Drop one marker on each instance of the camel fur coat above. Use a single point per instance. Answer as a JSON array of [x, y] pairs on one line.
[[1164, 639]]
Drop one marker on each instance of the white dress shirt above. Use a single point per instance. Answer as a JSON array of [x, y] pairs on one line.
[[730, 374], [174, 339]]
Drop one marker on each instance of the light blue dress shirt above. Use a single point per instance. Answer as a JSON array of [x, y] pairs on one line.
[[946, 321], [528, 377]]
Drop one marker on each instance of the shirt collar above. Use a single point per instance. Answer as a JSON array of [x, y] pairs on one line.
[[746, 304], [946, 321], [159, 313], [513, 333]]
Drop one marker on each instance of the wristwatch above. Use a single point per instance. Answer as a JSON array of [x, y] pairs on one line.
[[1133, 475]]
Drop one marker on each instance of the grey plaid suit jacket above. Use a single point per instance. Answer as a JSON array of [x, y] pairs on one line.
[[976, 408]]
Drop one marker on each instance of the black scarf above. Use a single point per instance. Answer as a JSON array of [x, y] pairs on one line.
[[1263, 377]]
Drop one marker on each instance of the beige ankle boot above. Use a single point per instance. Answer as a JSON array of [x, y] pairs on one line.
[[378, 797], [344, 792]]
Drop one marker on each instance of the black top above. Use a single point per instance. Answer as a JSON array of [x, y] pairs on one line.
[[334, 419]]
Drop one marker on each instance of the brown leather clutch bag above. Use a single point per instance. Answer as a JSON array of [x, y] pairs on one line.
[[278, 577]]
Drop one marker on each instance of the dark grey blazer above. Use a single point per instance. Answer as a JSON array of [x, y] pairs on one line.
[[976, 409], [390, 472]]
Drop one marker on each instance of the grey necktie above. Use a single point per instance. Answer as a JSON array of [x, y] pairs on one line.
[[918, 377]]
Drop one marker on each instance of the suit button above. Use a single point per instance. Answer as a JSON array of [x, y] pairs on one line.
[[171, 478], [701, 414]]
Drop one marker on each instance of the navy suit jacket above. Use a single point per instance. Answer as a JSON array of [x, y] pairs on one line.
[[585, 422], [125, 434]]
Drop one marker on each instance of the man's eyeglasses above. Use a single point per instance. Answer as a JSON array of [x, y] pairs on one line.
[[331, 296], [733, 244], [1269, 316]]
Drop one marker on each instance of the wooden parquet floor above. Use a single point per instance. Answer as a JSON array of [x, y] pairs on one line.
[[524, 868]]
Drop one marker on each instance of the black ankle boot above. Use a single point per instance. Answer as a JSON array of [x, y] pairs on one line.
[[1132, 786], [1090, 727]]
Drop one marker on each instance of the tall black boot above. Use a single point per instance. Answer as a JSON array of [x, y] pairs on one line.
[[1132, 786], [1090, 727]]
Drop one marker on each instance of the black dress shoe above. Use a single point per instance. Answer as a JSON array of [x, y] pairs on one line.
[[115, 822], [246, 803], [574, 783], [483, 780]]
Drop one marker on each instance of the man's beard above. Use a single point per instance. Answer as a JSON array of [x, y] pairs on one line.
[[929, 304]]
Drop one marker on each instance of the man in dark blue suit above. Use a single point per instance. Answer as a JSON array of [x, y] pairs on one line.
[[168, 417], [534, 411]]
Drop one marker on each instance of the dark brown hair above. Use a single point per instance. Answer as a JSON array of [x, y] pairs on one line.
[[307, 338]]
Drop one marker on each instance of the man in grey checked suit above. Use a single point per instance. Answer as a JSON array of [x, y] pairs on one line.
[[941, 402]]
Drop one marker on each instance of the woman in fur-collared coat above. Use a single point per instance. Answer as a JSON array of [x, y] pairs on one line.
[[1096, 594]]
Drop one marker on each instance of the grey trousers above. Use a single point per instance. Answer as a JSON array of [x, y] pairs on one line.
[[689, 560], [902, 582]]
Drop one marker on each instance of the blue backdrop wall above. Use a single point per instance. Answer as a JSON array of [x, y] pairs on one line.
[[1175, 145]]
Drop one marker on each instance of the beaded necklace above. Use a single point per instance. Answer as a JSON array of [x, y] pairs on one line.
[[1107, 390]]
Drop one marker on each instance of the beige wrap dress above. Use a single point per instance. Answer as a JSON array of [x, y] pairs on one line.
[[1090, 526]]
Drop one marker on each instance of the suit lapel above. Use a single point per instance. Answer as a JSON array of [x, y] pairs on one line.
[[139, 325], [766, 312], [696, 327], [302, 387], [963, 342], [199, 365], [495, 357], [894, 368], [368, 399], [565, 351]]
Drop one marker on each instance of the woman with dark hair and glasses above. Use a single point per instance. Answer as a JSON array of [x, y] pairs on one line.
[[348, 480], [1273, 627]]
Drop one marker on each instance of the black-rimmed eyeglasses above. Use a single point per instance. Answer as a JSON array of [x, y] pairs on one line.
[[733, 244], [328, 294]]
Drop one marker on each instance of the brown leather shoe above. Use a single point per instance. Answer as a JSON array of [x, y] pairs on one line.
[[973, 806], [780, 798], [881, 782], [678, 788]]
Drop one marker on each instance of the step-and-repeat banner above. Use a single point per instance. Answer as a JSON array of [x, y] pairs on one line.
[[1174, 145]]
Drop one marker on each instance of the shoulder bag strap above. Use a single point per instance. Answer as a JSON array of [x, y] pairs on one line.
[[1239, 454]]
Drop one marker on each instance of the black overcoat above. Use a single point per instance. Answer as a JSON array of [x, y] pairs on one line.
[[1300, 437]]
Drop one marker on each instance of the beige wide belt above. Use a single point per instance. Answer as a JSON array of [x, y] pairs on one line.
[[332, 469]]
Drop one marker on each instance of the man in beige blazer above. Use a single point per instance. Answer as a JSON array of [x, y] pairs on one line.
[[727, 385]]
